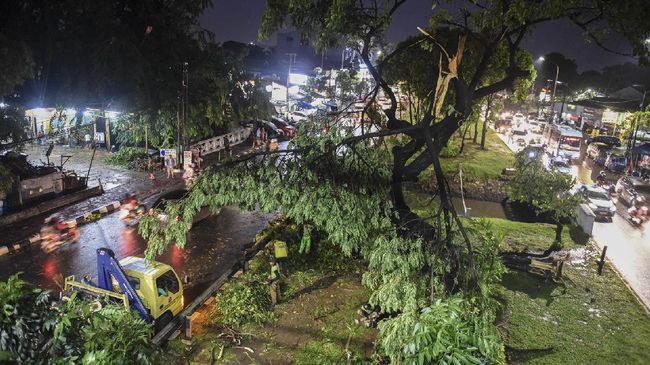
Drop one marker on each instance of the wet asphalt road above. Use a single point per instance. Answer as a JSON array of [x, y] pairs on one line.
[[628, 246], [213, 245]]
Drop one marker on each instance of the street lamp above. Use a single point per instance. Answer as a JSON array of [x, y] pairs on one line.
[[557, 74]]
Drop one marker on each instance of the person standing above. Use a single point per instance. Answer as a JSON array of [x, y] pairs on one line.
[[87, 140], [274, 281], [170, 162]]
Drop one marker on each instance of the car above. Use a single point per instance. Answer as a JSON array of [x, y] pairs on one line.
[[519, 129], [629, 187], [502, 125], [534, 152], [532, 117], [537, 126], [600, 159], [594, 149], [518, 118], [598, 200], [560, 165], [285, 127], [271, 129], [611, 141], [296, 117], [616, 161]]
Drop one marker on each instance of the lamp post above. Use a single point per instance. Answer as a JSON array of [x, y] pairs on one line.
[[557, 74]]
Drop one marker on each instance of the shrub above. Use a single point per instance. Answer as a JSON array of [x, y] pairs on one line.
[[127, 156], [452, 149], [36, 329], [246, 299]]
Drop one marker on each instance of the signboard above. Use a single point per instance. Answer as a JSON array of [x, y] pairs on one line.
[[187, 159], [171, 152], [99, 137], [162, 152]]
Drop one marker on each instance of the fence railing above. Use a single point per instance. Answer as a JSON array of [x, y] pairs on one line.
[[216, 144]]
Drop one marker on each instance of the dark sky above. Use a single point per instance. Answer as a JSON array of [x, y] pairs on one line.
[[239, 20]]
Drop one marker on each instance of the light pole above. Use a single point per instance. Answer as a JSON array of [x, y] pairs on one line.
[[557, 74]]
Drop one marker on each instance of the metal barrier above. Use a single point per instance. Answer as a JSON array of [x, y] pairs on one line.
[[216, 144]]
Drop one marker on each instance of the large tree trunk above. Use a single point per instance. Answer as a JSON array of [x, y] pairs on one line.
[[558, 232], [485, 121]]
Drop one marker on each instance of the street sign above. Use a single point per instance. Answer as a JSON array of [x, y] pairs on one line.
[[162, 152], [171, 152], [187, 159]]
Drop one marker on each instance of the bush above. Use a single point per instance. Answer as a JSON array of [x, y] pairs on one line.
[[127, 156], [246, 299], [36, 329], [452, 149]]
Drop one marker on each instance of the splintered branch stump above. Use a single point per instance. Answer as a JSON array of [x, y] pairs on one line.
[[549, 266]]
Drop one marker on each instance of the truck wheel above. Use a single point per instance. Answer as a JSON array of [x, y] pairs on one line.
[[162, 321]]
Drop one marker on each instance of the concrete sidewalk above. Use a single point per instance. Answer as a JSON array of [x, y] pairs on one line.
[[132, 182]]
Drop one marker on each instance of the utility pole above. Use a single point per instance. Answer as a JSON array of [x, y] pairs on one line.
[[183, 112], [635, 130], [292, 58], [557, 74]]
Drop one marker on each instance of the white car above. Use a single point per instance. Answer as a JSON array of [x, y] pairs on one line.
[[296, 117], [560, 165], [518, 119], [599, 201]]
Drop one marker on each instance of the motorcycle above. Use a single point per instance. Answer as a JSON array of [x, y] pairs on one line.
[[51, 238], [638, 215], [131, 215]]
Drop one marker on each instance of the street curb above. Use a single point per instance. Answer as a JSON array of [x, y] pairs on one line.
[[75, 222], [620, 276]]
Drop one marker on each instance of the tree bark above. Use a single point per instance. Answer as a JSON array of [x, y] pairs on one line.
[[558, 232], [485, 121]]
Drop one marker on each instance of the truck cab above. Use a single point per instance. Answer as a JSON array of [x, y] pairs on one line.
[[156, 284], [153, 289]]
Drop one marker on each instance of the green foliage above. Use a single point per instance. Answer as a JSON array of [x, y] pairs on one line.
[[25, 312], [126, 156], [546, 191], [13, 125], [450, 331], [246, 299], [35, 329], [115, 336], [6, 180], [452, 149]]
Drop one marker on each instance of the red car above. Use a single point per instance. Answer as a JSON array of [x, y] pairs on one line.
[[285, 127]]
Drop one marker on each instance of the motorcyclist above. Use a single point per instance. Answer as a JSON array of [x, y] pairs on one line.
[[55, 224], [639, 211]]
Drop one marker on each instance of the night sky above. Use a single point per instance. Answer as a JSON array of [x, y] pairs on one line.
[[239, 20]]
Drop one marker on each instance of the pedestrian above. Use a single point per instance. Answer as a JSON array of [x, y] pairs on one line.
[[274, 281], [87, 140], [188, 174], [170, 163]]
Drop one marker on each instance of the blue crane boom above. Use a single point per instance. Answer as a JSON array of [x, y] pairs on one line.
[[107, 267]]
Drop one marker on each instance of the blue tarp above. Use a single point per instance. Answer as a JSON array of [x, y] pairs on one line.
[[305, 105], [643, 149]]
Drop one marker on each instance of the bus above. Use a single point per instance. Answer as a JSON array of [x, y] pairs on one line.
[[563, 141]]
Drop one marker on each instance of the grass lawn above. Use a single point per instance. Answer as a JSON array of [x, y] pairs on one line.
[[480, 164], [313, 324], [583, 319]]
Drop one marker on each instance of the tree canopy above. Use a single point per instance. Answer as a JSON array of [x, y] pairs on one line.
[[351, 186]]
